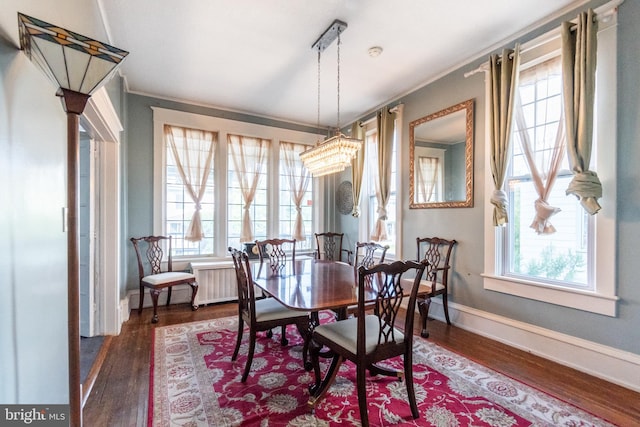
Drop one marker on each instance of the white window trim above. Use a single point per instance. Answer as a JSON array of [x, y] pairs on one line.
[[604, 299], [162, 116]]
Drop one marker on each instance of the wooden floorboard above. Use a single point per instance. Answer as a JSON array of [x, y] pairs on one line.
[[120, 392]]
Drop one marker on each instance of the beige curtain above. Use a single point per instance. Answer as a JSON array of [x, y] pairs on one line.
[[357, 168], [249, 160], [193, 151], [427, 178], [544, 162], [578, 75], [299, 178], [503, 75], [385, 125]]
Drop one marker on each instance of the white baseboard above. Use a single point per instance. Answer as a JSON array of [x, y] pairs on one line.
[[608, 363]]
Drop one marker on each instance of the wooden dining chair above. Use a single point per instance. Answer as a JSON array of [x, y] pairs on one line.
[[370, 338], [368, 254], [329, 247], [437, 252], [263, 314], [150, 255], [277, 253]]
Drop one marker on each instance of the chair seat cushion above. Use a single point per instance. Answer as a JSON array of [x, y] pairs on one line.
[[345, 333], [168, 277], [425, 286], [270, 309]]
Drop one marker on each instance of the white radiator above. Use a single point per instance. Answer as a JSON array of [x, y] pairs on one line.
[[216, 281]]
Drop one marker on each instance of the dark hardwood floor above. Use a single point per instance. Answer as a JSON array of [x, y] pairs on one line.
[[119, 396]]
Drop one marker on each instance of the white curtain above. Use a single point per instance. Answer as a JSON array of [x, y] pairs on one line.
[[299, 178], [250, 161], [427, 178], [193, 152], [544, 159]]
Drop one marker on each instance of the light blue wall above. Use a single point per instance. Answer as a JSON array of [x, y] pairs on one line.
[[33, 255]]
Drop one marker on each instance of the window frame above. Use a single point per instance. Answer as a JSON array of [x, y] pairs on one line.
[[162, 116], [603, 299]]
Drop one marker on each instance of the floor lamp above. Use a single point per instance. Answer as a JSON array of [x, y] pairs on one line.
[[78, 66]]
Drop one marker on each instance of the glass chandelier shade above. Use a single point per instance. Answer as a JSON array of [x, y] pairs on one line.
[[70, 60], [334, 154]]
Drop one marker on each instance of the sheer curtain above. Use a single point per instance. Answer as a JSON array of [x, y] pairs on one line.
[[503, 74], [250, 161], [427, 178], [386, 123], [299, 178], [193, 151], [357, 168], [579, 50], [544, 161]]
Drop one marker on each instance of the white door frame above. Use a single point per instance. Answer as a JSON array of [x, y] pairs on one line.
[[101, 121]]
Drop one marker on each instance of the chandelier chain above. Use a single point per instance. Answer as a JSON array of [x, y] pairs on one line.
[[338, 121], [318, 119]]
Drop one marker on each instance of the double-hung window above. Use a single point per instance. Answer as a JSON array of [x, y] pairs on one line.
[[254, 170], [572, 262]]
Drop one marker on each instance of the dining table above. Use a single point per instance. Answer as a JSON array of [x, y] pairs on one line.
[[314, 285]]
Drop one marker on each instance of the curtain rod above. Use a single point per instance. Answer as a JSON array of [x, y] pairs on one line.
[[391, 110], [602, 13]]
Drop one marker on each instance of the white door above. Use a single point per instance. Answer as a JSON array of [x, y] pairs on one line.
[[87, 235]]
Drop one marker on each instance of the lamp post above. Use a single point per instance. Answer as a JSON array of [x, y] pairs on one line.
[[78, 66]]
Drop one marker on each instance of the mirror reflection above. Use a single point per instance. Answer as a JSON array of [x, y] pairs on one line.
[[441, 158]]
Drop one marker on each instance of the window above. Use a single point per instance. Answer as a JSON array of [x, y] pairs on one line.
[[575, 266], [295, 182], [273, 212], [368, 191]]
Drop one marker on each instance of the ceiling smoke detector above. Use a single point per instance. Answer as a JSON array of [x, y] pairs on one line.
[[375, 51]]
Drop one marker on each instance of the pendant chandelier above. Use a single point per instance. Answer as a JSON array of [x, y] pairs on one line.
[[334, 154]]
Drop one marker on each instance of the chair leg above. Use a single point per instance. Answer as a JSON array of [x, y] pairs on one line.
[[154, 298], [194, 292], [423, 307], [169, 295], [141, 299], [239, 339], [283, 337], [445, 305], [361, 381], [408, 380], [252, 348]]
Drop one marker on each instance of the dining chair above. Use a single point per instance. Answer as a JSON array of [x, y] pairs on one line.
[[368, 254], [437, 252], [329, 247], [150, 255], [277, 252], [261, 314], [370, 338]]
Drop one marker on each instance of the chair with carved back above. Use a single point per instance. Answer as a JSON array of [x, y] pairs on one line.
[[261, 314], [437, 252], [329, 247], [370, 338], [368, 254], [150, 255], [277, 254]]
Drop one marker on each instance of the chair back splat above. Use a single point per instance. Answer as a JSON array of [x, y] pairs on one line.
[[368, 254], [275, 251], [371, 338], [329, 247], [150, 254]]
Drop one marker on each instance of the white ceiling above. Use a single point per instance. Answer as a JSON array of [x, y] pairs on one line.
[[255, 56]]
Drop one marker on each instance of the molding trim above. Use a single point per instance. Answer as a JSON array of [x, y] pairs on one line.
[[610, 364]]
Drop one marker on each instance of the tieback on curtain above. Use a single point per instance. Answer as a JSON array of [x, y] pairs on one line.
[[501, 202], [382, 213], [544, 211]]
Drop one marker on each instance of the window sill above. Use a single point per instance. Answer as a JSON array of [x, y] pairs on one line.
[[573, 298]]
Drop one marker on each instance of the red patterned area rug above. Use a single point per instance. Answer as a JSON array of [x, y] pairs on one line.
[[193, 382]]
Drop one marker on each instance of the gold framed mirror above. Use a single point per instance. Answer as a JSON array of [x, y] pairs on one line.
[[441, 158]]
